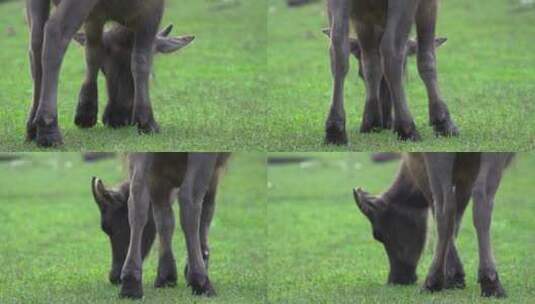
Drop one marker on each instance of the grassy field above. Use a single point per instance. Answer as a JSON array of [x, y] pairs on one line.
[[486, 72], [209, 96], [53, 251], [321, 249]]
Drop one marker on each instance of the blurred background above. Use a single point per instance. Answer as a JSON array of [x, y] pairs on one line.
[[52, 249]]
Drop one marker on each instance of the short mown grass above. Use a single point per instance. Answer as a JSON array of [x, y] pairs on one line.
[[209, 96], [486, 72], [53, 251], [321, 248]]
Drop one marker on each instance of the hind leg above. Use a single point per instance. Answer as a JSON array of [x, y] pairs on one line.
[[439, 115]]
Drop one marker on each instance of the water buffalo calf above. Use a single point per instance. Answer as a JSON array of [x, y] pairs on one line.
[[50, 35], [383, 28], [444, 182], [151, 188]]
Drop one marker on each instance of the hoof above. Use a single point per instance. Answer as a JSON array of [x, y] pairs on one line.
[[335, 136], [455, 281], [115, 277], [48, 135], [370, 128], [167, 276], [432, 284], [31, 132], [131, 288], [445, 128], [151, 127], [86, 111], [407, 132], [85, 119], [206, 259], [201, 285], [116, 117], [490, 285]]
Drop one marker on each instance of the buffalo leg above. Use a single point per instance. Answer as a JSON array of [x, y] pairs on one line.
[[335, 129], [439, 116], [386, 103], [59, 29], [86, 111], [372, 119], [440, 172], [138, 206], [142, 55], [165, 225], [191, 195], [483, 196], [37, 12], [393, 48]]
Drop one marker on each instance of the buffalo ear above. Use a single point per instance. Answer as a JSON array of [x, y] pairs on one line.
[[354, 43], [440, 41], [105, 198], [80, 38], [368, 204], [166, 45]]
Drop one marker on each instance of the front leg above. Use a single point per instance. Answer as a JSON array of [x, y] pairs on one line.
[[439, 168], [335, 129], [191, 194], [59, 30], [37, 13], [141, 66], [86, 111], [138, 206]]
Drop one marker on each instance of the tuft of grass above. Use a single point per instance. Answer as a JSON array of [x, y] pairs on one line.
[[321, 248], [209, 96], [485, 71], [53, 251]]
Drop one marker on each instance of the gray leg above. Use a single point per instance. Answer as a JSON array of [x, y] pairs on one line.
[[372, 119], [386, 103], [393, 47], [439, 115], [483, 196], [37, 12], [86, 111], [59, 29], [440, 171], [335, 129], [165, 225], [191, 195], [138, 206], [141, 66]]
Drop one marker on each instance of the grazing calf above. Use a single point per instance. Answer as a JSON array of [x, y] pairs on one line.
[[154, 178], [444, 182], [118, 43], [50, 35], [383, 29], [384, 92]]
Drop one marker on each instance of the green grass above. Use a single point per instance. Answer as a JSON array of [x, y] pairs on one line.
[[486, 72], [53, 251], [321, 249], [210, 96]]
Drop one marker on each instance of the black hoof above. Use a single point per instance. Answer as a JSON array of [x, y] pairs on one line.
[[206, 259], [167, 277], [370, 128], [86, 111], [85, 119], [116, 117], [201, 285], [490, 285], [445, 128], [48, 136], [31, 132], [150, 127], [407, 132], [432, 284], [335, 136], [455, 281], [115, 278], [131, 288]]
